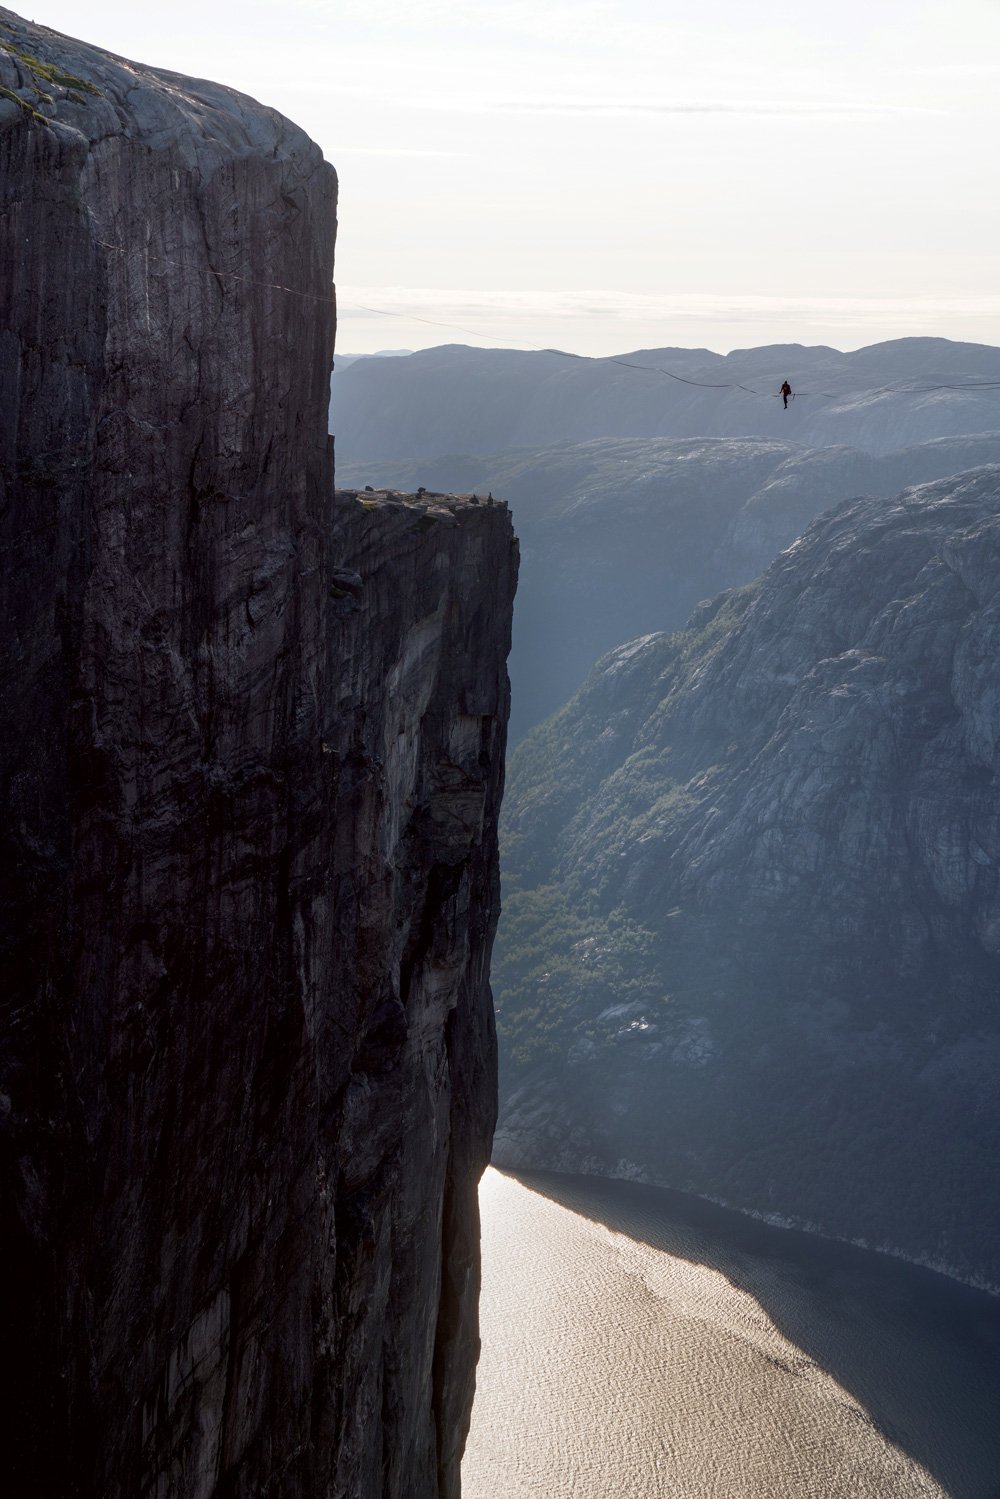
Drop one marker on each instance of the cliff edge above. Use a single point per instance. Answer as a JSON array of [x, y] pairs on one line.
[[252, 761]]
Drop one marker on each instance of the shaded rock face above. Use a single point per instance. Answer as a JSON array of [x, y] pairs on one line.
[[252, 760], [753, 934]]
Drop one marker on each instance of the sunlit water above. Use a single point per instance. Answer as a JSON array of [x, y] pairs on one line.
[[639, 1344]]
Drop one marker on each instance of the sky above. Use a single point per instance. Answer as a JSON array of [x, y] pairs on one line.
[[607, 175]]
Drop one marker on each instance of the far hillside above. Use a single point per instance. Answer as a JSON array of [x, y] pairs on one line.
[[751, 933], [455, 399], [621, 537]]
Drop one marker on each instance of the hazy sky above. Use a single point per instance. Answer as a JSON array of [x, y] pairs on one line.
[[605, 176]]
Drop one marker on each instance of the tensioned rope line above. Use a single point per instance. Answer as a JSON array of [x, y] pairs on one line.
[[822, 395], [563, 353], [655, 369], [775, 395]]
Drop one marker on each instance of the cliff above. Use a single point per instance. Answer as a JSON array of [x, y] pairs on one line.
[[619, 537], [252, 760], [750, 944]]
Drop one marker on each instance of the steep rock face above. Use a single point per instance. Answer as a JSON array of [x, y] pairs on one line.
[[252, 755], [753, 934], [418, 743]]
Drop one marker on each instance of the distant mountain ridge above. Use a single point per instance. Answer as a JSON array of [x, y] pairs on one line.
[[751, 934], [455, 399], [623, 536]]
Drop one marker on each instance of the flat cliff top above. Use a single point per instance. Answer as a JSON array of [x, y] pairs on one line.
[[423, 507], [624, 536], [62, 82]]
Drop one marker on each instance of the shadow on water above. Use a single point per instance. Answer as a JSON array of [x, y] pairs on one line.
[[919, 1352]]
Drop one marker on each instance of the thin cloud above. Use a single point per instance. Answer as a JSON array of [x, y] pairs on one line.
[[658, 108], [600, 323], [360, 303], [952, 70], [396, 151], [769, 109]]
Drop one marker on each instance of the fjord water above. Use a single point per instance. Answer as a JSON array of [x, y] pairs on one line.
[[641, 1344]]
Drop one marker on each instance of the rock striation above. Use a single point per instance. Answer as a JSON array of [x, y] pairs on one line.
[[752, 934], [252, 761]]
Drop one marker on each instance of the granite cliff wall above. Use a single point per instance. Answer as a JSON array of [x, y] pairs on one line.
[[252, 760]]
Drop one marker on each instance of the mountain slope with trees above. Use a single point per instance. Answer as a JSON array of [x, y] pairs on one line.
[[751, 941]]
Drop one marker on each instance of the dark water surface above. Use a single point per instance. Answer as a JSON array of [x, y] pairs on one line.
[[640, 1344]]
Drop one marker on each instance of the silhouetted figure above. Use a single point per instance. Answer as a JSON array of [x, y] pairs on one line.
[[785, 392]]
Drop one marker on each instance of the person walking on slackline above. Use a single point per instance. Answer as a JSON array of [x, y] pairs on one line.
[[785, 392]]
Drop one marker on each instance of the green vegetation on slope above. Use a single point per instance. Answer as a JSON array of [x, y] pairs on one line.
[[564, 956], [751, 875], [43, 73], [559, 968]]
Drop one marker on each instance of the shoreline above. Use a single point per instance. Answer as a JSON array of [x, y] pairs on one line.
[[630, 1172], [651, 1342]]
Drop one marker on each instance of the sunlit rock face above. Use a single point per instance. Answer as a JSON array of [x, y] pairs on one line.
[[752, 942], [252, 757]]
